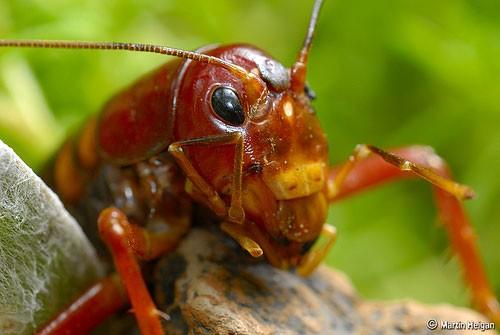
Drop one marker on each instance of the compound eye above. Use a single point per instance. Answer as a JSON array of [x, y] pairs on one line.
[[227, 106]]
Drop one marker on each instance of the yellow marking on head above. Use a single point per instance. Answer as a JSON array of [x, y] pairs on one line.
[[297, 181]]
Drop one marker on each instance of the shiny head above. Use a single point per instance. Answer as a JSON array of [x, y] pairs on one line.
[[284, 153]]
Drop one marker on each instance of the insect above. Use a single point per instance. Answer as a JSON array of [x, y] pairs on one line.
[[233, 129]]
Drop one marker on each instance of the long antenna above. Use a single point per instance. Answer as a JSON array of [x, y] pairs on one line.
[[139, 47], [300, 66]]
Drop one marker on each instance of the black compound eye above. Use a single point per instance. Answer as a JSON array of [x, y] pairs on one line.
[[227, 106]]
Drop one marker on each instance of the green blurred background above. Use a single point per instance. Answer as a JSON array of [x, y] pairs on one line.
[[390, 73]]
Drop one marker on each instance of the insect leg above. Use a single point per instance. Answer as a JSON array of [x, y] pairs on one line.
[[430, 170], [149, 245], [235, 212], [363, 171], [91, 308], [316, 256], [118, 234]]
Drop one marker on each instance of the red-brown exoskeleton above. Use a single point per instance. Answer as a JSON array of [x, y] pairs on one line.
[[233, 129]]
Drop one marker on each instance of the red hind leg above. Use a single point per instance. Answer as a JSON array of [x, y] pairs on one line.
[[363, 171], [94, 306]]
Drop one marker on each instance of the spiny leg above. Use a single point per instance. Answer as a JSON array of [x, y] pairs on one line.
[[428, 171], [118, 234], [235, 212], [362, 172], [91, 308]]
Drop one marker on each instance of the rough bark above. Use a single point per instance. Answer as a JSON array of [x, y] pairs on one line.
[[208, 286]]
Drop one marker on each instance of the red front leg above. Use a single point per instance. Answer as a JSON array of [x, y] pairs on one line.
[[118, 234], [364, 170], [126, 242]]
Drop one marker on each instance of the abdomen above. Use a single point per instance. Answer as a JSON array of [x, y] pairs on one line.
[[89, 179]]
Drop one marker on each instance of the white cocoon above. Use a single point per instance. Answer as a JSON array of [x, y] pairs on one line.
[[45, 259]]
